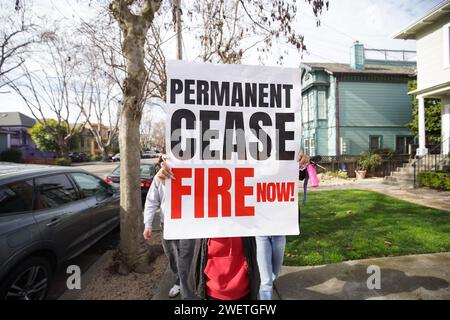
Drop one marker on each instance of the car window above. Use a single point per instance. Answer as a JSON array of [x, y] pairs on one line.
[[116, 171], [92, 186], [16, 197], [146, 170], [54, 191]]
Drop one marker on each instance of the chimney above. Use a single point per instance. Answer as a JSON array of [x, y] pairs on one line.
[[357, 56]]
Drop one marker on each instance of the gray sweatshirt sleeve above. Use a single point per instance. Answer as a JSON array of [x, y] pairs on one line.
[[152, 203]]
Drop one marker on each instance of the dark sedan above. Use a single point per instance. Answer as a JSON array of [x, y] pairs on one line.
[[48, 215], [148, 170]]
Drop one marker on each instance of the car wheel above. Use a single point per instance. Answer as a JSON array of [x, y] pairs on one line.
[[29, 281]]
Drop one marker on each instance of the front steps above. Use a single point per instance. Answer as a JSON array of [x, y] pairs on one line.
[[404, 176]]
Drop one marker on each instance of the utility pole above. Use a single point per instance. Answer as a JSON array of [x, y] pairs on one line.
[[177, 26]]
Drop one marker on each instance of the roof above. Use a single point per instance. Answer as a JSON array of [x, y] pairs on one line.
[[382, 69], [15, 119], [24, 171], [436, 13]]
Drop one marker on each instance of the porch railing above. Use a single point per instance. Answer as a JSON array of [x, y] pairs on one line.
[[431, 162], [348, 163]]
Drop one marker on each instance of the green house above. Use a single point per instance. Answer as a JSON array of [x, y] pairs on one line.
[[364, 105]]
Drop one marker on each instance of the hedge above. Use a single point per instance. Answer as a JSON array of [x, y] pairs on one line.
[[63, 162], [435, 180], [11, 155]]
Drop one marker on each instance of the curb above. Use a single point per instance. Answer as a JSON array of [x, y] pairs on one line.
[[87, 276], [167, 280]]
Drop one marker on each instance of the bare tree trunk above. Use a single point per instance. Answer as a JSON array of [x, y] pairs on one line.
[[133, 250], [178, 28], [105, 156]]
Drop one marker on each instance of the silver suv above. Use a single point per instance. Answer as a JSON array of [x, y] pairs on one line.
[[48, 215]]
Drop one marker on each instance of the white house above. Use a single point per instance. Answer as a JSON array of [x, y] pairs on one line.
[[432, 33]]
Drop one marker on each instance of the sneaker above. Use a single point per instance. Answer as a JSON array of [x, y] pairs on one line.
[[174, 291]]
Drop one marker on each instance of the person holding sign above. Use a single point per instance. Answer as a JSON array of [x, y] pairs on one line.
[[222, 268], [270, 249], [232, 134], [178, 252]]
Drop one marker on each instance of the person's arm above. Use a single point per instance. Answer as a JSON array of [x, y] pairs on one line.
[[152, 204], [303, 161]]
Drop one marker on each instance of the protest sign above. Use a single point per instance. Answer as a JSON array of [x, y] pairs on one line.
[[232, 136]]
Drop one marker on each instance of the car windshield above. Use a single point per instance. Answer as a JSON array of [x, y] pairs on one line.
[[146, 170]]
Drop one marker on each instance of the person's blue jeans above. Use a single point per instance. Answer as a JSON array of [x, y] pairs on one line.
[[269, 254]]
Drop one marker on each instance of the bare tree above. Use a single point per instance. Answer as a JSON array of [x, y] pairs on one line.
[[158, 135], [146, 130], [128, 43], [46, 91], [97, 97], [134, 18], [17, 33], [231, 28]]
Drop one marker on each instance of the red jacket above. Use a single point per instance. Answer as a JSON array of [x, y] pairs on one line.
[[226, 269]]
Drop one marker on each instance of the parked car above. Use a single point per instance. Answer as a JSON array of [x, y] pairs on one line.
[[158, 153], [148, 170], [48, 215], [79, 157], [116, 157], [149, 155]]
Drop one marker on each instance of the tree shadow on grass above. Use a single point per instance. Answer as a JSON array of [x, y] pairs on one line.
[[349, 281]]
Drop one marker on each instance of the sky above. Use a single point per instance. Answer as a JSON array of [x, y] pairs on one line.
[[371, 22]]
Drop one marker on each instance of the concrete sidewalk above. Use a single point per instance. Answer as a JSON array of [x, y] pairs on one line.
[[425, 276], [414, 277]]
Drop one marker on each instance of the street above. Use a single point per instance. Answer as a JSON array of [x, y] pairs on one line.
[[98, 168]]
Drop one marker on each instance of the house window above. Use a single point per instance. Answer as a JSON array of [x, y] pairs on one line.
[[306, 146], [305, 109], [312, 146], [321, 105], [311, 105], [24, 138], [374, 142], [402, 144]]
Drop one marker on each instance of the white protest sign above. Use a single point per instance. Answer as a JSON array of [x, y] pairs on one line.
[[232, 136]]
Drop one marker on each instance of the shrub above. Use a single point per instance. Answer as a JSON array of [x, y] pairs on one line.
[[96, 157], [63, 162], [338, 174], [435, 180], [368, 161], [11, 155]]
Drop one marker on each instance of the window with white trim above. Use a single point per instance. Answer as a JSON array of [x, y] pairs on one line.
[[312, 146], [306, 146], [321, 105], [311, 105], [305, 109]]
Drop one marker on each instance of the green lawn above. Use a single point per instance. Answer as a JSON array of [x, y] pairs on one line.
[[355, 224]]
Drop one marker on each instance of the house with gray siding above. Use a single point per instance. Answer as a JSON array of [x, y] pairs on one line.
[[14, 134], [351, 108], [3, 140]]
